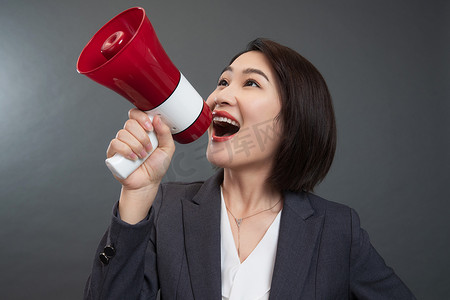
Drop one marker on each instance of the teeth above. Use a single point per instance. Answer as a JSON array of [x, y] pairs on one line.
[[223, 119]]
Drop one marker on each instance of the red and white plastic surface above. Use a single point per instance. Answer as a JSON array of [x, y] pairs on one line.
[[126, 56]]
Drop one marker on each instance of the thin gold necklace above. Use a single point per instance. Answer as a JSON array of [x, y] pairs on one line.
[[239, 222]]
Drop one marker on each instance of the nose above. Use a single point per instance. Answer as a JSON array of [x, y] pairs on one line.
[[223, 97]]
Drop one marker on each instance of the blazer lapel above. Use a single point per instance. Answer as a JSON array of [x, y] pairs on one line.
[[299, 232], [201, 218]]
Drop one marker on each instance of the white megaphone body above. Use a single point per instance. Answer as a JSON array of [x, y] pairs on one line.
[[126, 56]]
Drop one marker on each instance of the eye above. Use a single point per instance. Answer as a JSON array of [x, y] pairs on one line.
[[251, 82], [222, 82]]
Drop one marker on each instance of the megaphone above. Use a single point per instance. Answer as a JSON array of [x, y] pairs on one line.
[[126, 56]]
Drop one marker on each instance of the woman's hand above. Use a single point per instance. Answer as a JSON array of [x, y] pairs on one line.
[[139, 189]]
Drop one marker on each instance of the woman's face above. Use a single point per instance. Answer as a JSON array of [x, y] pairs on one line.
[[244, 131]]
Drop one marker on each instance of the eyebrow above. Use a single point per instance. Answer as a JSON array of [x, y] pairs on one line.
[[248, 71]]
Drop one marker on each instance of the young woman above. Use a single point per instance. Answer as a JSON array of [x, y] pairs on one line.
[[253, 230]]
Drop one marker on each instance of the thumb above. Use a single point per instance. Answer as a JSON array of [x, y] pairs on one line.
[[165, 139]]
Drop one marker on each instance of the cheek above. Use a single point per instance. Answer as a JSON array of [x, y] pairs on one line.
[[210, 101], [259, 111]]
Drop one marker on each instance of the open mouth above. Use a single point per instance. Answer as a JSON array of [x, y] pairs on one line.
[[224, 128]]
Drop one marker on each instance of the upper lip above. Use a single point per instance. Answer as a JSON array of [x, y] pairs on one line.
[[224, 114]]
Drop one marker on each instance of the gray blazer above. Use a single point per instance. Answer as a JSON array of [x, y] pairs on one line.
[[322, 252]]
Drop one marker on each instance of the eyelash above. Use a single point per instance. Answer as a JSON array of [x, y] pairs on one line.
[[251, 81], [248, 82], [222, 82]]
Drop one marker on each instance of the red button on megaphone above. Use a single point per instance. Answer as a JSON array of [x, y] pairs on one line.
[[126, 56]]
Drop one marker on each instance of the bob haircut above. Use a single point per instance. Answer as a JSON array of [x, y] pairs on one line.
[[308, 140]]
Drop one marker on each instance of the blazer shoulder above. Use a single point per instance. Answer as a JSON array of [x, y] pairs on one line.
[[169, 193], [182, 189], [324, 206], [191, 190], [338, 217]]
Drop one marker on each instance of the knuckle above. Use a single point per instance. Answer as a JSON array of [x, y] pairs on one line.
[[129, 123], [139, 146], [144, 136], [144, 140], [144, 118], [121, 133], [131, 112], [116, 144], [137, 114]]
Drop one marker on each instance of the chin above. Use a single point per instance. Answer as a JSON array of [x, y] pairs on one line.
[[218, 157]]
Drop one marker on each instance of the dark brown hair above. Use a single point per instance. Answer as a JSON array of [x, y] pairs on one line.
[[308, 140]]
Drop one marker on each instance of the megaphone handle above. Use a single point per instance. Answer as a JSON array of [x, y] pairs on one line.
[[122, 167]]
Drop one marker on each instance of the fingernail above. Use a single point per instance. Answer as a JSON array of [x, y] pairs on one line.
[[132, 156], [148, 147], [149, 126], [143, 154]]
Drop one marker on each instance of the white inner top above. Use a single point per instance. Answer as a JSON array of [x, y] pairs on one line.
[[251, 279]]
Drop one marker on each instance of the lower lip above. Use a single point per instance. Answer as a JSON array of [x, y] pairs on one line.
[[216, 138]]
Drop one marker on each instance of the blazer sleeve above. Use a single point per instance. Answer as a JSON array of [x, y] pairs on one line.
[[370, 277], [131, 272]]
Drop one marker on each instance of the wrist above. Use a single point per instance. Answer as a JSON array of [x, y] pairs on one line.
[[140, 193], [134, 205]]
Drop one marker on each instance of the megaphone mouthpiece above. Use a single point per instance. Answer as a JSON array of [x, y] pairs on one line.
[[113, 44]]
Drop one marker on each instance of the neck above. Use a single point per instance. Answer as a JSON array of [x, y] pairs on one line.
[[247, 190]]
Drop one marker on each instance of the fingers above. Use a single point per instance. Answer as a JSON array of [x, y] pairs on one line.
[[133, 141], [117, 146], [141, 117], [128, 146], [139, 133], [137, 144]]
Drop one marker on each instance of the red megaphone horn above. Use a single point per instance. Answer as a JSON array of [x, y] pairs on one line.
[[126, 56]]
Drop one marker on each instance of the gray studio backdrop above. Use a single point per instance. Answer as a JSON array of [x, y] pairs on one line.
[[387, 66]]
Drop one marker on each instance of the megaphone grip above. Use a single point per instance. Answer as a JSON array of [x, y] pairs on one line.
[[122, 167]]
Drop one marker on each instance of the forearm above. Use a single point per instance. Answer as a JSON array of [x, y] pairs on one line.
[[134, 205], [123, 275]]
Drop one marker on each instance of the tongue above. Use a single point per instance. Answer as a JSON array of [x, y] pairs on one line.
[[225, 129]]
